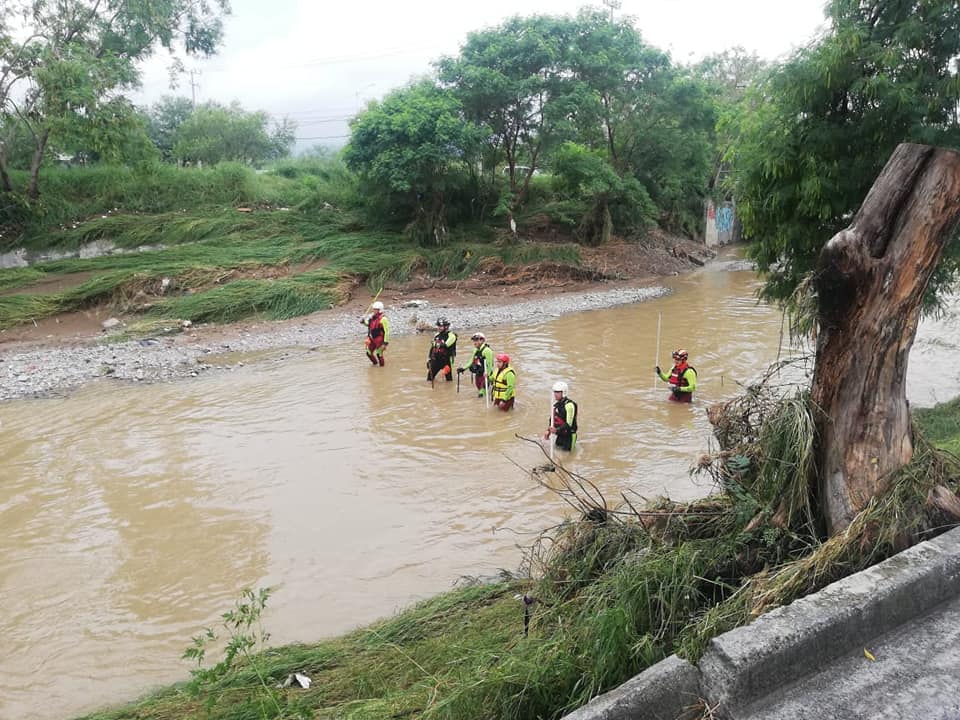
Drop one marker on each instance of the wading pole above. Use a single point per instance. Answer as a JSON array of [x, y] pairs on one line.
[[367, 311], [656, 360], [553, 436]]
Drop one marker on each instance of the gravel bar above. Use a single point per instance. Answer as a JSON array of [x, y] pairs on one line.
[[54, 371]]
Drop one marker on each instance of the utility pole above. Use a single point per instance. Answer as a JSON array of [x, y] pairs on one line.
[[193, 87], [612, 5]]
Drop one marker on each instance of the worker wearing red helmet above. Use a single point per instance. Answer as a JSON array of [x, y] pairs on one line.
[[504, 383], [682, 378]]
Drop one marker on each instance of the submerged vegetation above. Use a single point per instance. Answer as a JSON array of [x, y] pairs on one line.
[[604, 595]]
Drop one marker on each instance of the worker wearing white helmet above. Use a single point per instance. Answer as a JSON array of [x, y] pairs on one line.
[[481, 364], [564, 424], [378, 333]]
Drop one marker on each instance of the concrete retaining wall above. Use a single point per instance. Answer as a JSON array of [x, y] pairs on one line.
[[746, 664]]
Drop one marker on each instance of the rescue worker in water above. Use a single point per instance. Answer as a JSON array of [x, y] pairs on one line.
[[442, 352], [481, 364], [504, 383], [682, 378], [378, 333], [564, 424]]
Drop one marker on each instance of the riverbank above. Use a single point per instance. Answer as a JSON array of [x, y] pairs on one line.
[[41, 362]]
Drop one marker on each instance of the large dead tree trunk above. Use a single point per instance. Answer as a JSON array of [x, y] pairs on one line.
[[870, 281]]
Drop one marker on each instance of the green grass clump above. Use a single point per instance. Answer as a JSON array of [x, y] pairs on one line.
[[18, 277], [941, 424], [275, 299], [21, 309]]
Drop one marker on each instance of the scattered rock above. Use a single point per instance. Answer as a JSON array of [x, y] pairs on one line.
[[110, 324]]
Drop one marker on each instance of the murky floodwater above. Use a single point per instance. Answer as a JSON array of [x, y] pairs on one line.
[[132, 516]]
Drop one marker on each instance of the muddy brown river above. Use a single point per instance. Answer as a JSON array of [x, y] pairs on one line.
[[133, 516]]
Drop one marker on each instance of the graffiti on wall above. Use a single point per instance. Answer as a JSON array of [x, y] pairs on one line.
[[721, 223], [725, 220]]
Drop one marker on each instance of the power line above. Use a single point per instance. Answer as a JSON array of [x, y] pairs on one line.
[[322, 137], [322, 121], [350, 110], [341, 60]]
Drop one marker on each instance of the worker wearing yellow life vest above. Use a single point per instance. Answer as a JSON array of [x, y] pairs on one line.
[[504, 383], [481, 364]]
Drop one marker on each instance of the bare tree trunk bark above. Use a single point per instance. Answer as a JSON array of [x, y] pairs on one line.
[[870, 282], [33, 191], [6, 184]]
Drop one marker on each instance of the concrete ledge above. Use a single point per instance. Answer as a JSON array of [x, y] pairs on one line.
[[668, 690], [787, 643]]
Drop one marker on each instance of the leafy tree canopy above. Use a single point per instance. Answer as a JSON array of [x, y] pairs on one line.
[[165, 118], [820, 130], [408, 142], [63, 63], [216, 133]]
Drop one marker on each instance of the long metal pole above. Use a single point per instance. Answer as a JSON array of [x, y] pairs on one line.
[[553, 436], [656, 360]]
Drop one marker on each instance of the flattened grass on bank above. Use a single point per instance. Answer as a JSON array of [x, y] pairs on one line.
[[226, 266], [615, 591]]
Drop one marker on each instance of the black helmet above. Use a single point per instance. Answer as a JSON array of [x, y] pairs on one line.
[[443, 322]]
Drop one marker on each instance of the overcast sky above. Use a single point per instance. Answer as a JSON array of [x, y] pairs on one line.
[[318, 62]]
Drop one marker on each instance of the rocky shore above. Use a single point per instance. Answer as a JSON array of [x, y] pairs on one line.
[[55, 369]]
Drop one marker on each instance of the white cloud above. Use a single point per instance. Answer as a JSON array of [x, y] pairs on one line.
[[321, 60]]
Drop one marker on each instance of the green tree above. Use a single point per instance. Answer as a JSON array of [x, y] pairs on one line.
[[166, 117], [616, 76], [672, 151], [612, 200], [116, 134], [655, 125], [732, 72], [77, 56], [216, 133], [820, 130], [411, 149], [511, 81]]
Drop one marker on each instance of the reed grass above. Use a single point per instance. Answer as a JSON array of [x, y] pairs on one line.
[[275, 299], [14, 278]]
